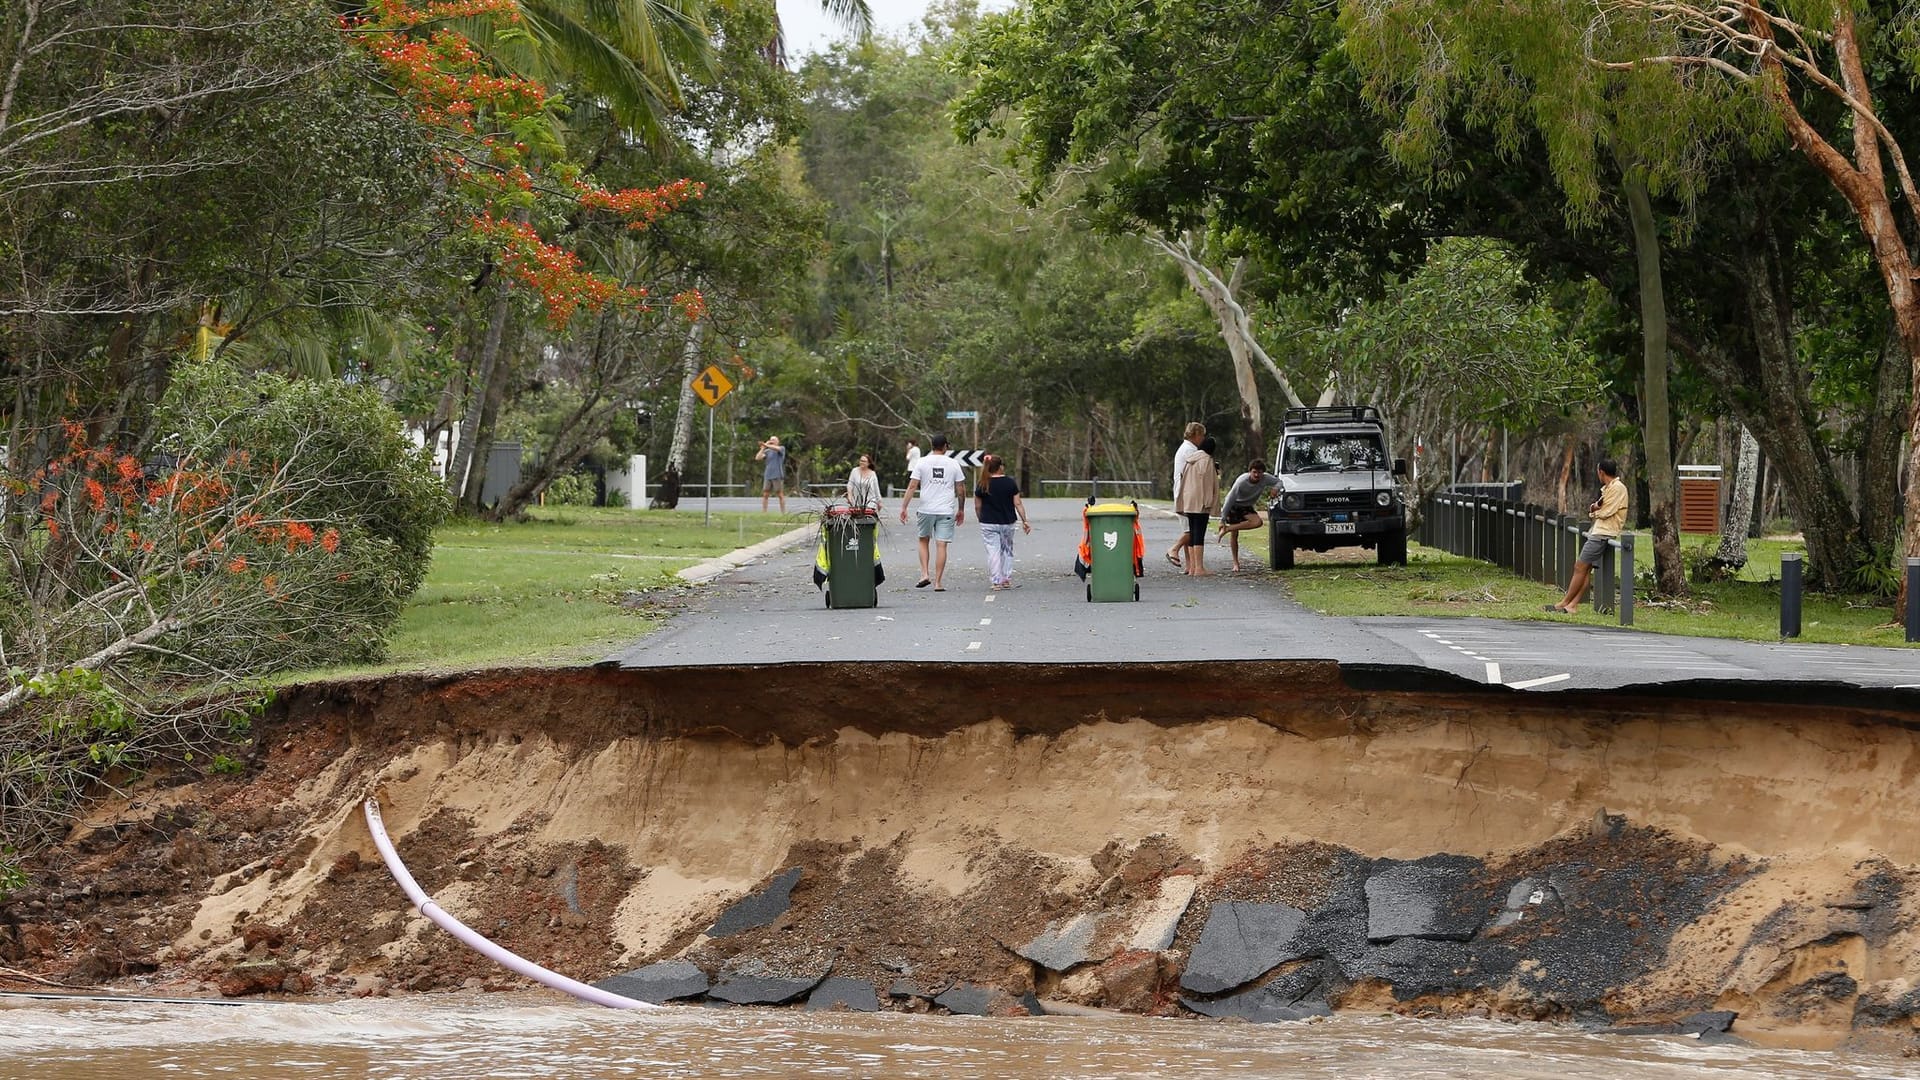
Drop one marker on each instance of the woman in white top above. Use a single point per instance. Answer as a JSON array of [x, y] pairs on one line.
[[863, 485]]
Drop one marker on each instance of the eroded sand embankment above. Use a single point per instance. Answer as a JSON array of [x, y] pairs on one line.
[[1227, 838]]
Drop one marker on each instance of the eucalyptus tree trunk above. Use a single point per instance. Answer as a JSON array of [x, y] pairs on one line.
[[1662, 482], [478, 383], [1236, 329], [1867, 179], [1766, 386], [1733, 532], [1880, 449], [682, 421]]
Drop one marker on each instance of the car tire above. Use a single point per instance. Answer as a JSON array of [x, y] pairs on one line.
[[1282, 554]]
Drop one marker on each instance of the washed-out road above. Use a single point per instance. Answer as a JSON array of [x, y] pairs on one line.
[[770, 612]]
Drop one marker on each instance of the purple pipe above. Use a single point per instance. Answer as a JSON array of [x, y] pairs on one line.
[[518, 965]]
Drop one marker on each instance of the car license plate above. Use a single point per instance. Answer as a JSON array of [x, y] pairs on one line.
[[1339, 526]]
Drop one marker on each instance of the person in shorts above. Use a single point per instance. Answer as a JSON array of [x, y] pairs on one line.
[[1189, 446], [941, 483], [1238, 511], [1609, 517], [773, 479], [1199, 495]]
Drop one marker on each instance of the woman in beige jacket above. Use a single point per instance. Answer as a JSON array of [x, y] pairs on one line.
[[1198, 499]]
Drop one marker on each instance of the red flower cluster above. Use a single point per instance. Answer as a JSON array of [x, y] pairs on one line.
[[692, 304], [198, 512], [455, 90], [564, 284], [641, 207], [447, 81], [392, 13]]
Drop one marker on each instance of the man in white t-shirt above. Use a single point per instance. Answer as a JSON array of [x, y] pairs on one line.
[[913, 456], [940, 482]]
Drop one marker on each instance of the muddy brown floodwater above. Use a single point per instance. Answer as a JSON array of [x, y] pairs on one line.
[[441, 1039]]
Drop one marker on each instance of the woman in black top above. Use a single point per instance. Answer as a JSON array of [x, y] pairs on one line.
[[997, 505]]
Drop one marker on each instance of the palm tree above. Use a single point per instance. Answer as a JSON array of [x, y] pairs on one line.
[[853, 15]]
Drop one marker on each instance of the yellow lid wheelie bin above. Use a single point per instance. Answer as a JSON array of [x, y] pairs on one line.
[[1112, 551]]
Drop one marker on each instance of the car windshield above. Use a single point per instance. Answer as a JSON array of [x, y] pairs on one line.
[[1331, 451]]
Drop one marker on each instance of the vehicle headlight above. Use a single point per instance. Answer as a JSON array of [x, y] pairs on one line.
[[1291, 501], [1384, 498]]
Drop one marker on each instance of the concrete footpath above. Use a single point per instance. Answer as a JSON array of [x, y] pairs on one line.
[[768, 611]]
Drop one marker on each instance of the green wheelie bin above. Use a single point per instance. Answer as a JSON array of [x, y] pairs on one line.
[[1113, 549], [847, 537]]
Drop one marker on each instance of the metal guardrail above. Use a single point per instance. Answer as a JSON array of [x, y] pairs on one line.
[[1529, 540], [690, 486], [1536, 543], [1097, 482]]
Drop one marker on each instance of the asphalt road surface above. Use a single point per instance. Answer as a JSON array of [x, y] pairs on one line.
[[770, 612]]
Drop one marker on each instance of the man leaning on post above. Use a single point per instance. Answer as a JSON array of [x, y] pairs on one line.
[[1609, 517]]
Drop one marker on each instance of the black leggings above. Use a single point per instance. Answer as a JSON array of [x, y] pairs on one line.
[[1197, 529]]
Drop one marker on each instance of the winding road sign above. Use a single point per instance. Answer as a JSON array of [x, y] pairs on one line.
[[971, 459], [712, 385]]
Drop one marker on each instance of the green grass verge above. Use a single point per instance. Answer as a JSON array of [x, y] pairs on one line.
[[567, 586], [1434, 583]]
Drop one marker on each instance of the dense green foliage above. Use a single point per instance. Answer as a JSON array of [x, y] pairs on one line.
[[366, 481]]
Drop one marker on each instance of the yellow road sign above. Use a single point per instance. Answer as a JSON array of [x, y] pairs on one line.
[[712, 385]]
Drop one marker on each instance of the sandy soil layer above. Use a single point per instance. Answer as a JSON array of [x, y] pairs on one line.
[[1704, 854]]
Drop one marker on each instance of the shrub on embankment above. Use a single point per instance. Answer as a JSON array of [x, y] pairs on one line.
[[275, 523]]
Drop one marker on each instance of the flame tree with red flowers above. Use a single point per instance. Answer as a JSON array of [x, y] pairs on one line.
[[518, 190]]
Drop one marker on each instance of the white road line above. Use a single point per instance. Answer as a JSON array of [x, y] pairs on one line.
[[986, 622], [989, 600], [1443, 641], [1493, 672], [973, 646], [1528, 684], [1457, 648]]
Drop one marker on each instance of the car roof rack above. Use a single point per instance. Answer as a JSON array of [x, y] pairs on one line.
[[1333, 414]]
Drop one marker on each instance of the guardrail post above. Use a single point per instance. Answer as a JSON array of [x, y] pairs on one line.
[[1913, 605], [1569, 548], [1506, 535], [1626, 579], [1790, 594], [1603, 588], [1543, 554], [1516, 540]]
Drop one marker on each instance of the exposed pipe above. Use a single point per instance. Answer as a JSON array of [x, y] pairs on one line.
[[474, 941]]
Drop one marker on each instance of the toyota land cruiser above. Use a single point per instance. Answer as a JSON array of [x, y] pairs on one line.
[[1337, 488]]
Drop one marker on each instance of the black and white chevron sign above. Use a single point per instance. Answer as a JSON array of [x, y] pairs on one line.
[[972, 459]]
